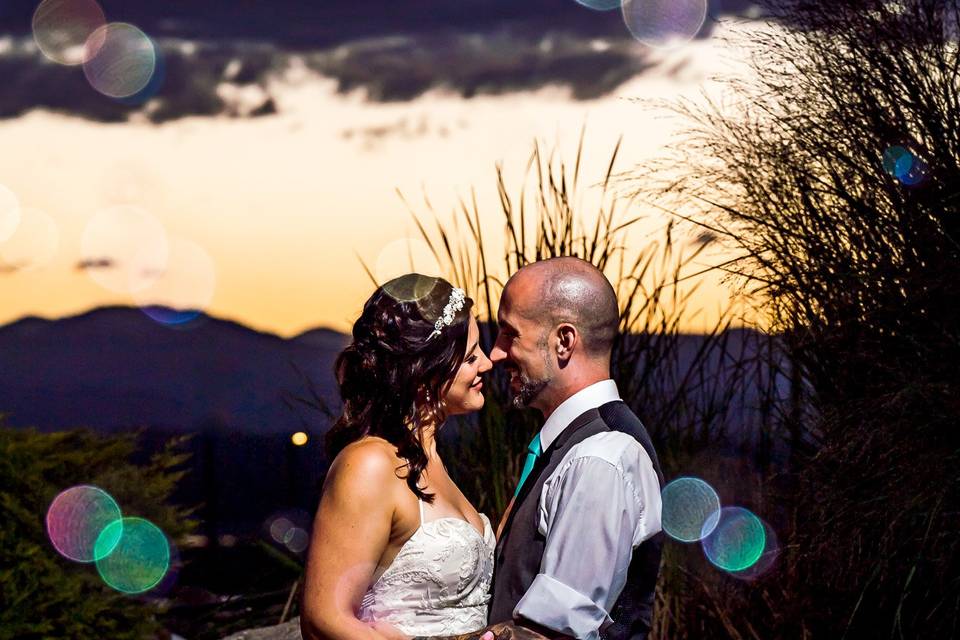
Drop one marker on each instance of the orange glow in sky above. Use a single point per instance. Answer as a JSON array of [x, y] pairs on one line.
[[275, 213]]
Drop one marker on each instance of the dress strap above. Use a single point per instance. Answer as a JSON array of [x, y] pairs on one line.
[[420, 503]]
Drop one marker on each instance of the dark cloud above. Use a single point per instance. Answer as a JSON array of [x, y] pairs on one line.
[[95, 263], [234, 79], [218, 57]]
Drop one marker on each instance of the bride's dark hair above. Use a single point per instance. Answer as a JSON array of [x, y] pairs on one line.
[[393, 365]]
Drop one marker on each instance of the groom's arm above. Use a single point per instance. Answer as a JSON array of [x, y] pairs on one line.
[[589, 542]]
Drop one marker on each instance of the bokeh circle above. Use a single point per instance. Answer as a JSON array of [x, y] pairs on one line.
[[9, 213], [767, 559], [600, 5], [121, 244], [289, 529], [140, 557], [124, 63], [403, 256], [179, 292], [690, 509], [76, 520], [664, 24], [296, 539], [737, 541], [904, 165], [68, 31], [33, 244]]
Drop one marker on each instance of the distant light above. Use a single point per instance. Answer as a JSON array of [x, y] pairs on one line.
[[299, 438]]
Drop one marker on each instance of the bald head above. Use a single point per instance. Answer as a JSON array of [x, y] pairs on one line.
[[569, 290]]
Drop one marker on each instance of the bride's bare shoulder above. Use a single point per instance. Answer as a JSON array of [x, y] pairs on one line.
[[370, 459]]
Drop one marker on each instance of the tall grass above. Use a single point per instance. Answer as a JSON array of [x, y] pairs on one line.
[[683, 387], [854, 262]]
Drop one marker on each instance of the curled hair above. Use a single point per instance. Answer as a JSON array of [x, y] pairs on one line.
[[393, 363]]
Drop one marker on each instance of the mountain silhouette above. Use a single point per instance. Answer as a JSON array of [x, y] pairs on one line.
[[240, 393], [115, 369], [234, 389]]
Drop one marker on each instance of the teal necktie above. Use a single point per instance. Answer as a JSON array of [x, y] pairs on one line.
[[533, 452]]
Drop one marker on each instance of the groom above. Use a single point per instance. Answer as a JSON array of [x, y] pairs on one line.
[[579, 545]]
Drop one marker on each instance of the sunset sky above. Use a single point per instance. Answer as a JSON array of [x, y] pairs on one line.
[[266, 216]]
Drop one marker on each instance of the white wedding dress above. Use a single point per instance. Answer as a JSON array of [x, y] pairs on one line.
[[439, 583]]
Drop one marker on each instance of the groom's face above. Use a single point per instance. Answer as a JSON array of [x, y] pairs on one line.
[[521, 348]]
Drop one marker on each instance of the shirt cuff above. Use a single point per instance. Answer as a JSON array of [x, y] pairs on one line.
[[552, 604]]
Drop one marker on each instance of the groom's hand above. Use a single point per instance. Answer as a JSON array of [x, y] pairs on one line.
[[513, 631], [499, 631]]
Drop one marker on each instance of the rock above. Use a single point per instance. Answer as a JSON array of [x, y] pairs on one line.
[[286, 631]]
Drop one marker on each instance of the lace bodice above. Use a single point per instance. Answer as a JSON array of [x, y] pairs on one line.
[[439, 583]]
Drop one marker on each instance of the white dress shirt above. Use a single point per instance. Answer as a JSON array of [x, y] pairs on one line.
[[596, 507]]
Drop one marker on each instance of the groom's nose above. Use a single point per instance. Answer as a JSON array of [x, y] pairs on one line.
[[497, 354]]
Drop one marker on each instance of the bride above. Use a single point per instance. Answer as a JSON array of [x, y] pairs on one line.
[[395, 541]]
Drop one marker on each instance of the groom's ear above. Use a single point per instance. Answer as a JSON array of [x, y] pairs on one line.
[[567, 338]]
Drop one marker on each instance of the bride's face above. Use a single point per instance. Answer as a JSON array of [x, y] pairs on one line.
[[466, 391]]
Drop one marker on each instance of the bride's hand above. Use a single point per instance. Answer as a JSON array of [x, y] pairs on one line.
[[388, 631]]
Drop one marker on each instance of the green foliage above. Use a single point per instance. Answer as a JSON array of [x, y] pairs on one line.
[[42, 594]]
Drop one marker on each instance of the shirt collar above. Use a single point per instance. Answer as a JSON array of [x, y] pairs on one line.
[[597, 394]]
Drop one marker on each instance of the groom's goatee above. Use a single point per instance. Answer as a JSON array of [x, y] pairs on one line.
[[529, 389]]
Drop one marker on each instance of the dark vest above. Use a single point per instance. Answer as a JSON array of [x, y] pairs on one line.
[[520, 549]]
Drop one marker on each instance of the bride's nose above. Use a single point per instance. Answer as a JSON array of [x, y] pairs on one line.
[[485, 364]]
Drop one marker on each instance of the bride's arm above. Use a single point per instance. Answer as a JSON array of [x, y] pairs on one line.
[[350, 533]]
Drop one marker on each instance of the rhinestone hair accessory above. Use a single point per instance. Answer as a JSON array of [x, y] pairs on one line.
[[457, 299]]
